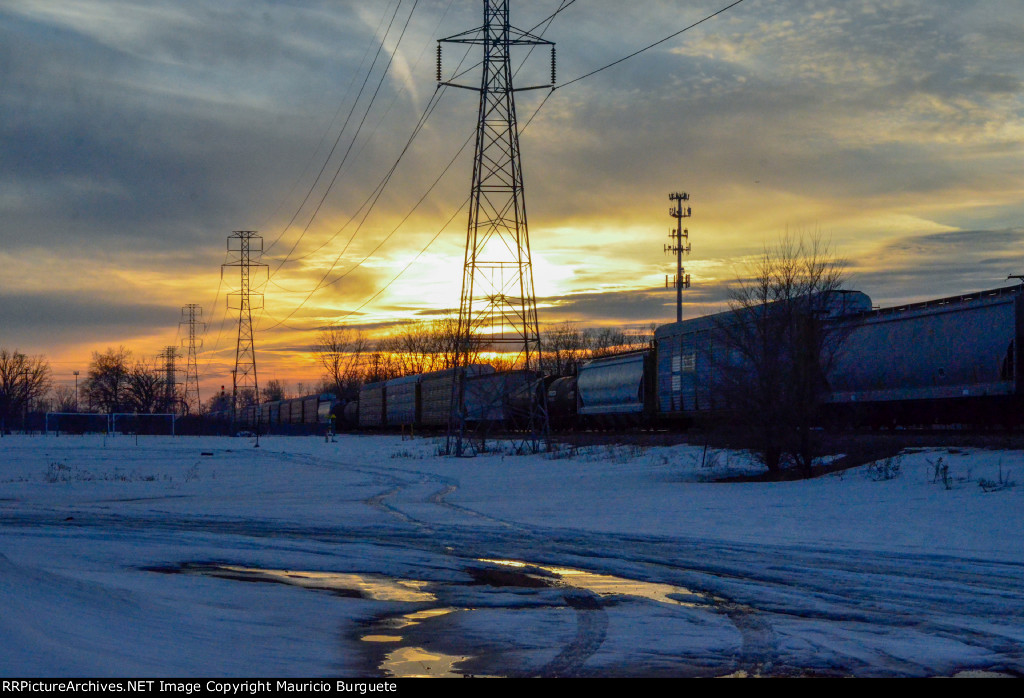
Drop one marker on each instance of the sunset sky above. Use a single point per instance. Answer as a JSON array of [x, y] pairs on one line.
[[136, 135]]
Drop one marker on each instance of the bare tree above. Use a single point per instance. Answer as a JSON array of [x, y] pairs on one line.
[[64, 399], [605, 341], [566, 346], [418, 347], [107, 384], [246, 397], [780, 347], [273, 390], [146, 390], [446, 333], [23, 379], [563, 347], [341, 351]]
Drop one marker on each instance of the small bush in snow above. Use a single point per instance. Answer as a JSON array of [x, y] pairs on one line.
[[888, 469], [1003, 483], [562, 451], [940, 472]]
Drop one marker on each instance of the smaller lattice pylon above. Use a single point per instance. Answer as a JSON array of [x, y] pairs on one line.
[[191, 325], [245, 248], [169, 357]]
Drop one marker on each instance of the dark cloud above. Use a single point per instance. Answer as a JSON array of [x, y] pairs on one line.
[[937, 265], [635, 307], [49, 319]]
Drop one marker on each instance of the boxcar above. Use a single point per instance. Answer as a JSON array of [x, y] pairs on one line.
[[403, 397], [372, 405], [505, 397], [436, 390]]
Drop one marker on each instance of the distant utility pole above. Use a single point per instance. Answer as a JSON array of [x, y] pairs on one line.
[[498, 308], [246, 246], [680, 246], [169, 355], [191, 319]]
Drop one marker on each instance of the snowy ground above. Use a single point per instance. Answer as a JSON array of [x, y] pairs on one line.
[[375, 556]]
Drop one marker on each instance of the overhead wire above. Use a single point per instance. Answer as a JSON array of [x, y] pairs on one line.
[[369, 204], [337, 172], [352, 141], [309, 161], [561, 7], [331, 238], [649, 46], [419, 254]]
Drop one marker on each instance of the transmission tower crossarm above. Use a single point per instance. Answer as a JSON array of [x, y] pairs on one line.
[[497, 37]]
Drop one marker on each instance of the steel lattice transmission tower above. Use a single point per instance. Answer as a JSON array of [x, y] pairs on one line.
[[170, 371], [498, 308], [245, 248], [191, 320]]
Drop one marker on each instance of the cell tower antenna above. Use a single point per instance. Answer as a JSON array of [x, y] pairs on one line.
[[192, 323], [245, 248], [680, 246], [498, 308]]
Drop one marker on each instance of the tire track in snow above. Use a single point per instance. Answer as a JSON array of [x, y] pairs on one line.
[[591, 631]]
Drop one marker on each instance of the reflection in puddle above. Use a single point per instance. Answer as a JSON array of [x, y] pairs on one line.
[[367, 586], [412, 661], [417, 663], [382, 638], [607, 585], [416, 617]]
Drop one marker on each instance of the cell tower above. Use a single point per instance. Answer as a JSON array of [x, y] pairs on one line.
[[246, 247], [680, 246], [498, 309], [169, 357], [191, 320]]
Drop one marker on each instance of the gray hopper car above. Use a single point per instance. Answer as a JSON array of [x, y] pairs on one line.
[[951, 360]]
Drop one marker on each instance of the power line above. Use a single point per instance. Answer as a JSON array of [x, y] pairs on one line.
[[344, 126], [563, 6], [378, 192], [650, 46], [411, 262], [328, 130], [355, 136], [375, 192]]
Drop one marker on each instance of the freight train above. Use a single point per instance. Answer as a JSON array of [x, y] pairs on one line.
[[946, 361], [303, 415]]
